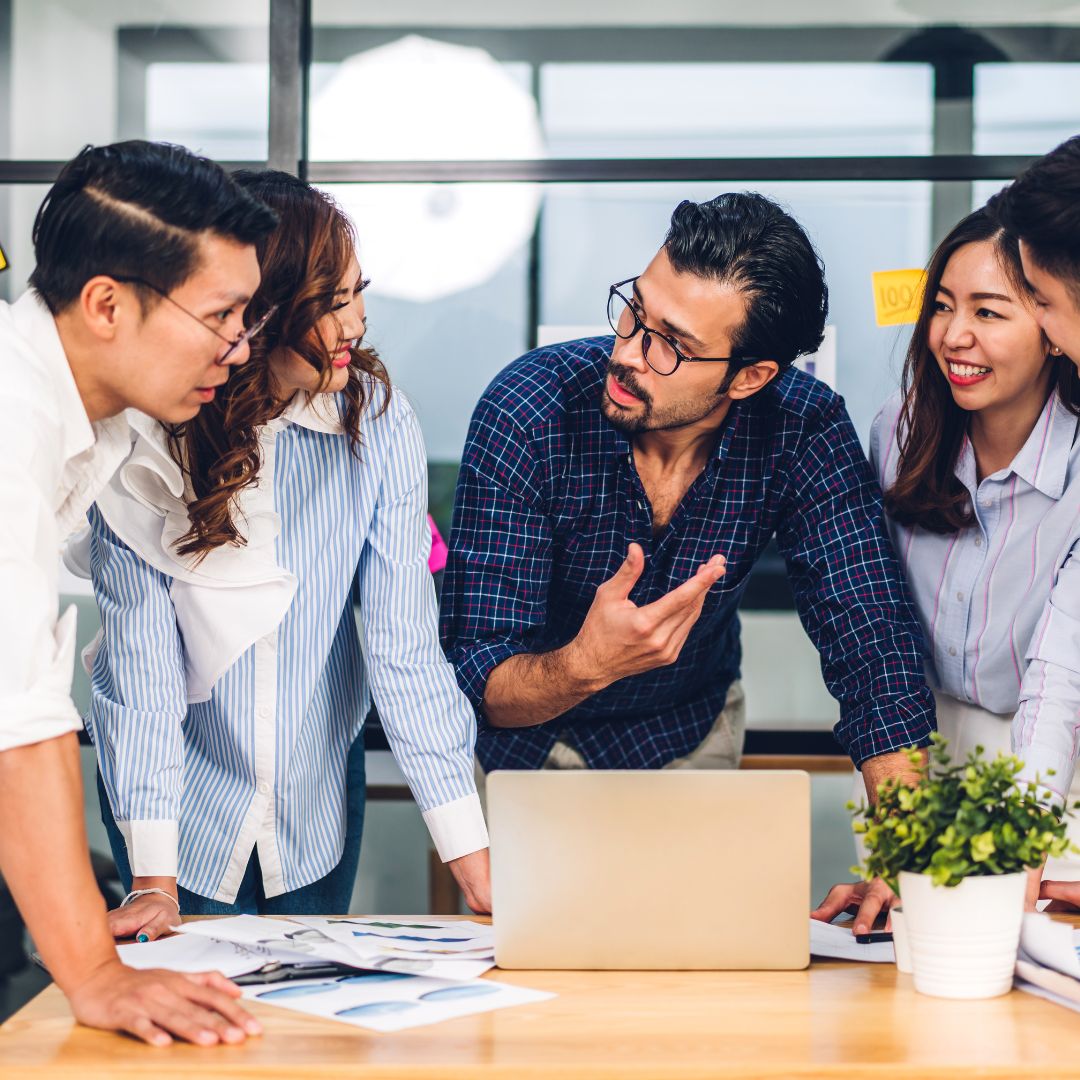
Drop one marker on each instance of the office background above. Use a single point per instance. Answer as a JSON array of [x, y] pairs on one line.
[[505, 162]]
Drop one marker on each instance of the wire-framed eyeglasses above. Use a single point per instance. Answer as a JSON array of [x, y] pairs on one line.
[[233, 344], [660, 351]]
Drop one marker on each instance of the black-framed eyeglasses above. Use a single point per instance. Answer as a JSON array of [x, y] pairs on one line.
[[659, 351], [246, 335]]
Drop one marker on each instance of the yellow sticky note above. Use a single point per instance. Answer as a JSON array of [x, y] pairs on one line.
[[897, 296], [3, 260]]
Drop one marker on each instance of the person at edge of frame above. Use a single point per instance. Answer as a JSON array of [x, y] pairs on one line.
[[979, 459], [85, 343]]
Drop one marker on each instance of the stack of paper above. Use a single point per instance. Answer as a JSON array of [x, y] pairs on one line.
[[838, 943], [442, 950], [182, 953], [1048, 963], [401, 974]]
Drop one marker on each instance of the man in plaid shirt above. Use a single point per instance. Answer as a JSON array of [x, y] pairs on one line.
[[615, 494]]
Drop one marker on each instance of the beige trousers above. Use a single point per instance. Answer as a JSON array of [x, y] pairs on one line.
[[720, 749]]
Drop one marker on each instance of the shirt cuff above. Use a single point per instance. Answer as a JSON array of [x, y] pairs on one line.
[[876, 735], [33, 718], [474, 663], [1054, 789], [45, 710], [152, 846], [457, 827]]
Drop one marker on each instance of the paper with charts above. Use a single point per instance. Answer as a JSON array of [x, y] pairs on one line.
[[407, 972], [442, 950], [387, 1001], [436, 948]]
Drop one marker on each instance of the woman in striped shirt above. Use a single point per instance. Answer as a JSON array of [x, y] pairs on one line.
[[230, 684], [979, 461]]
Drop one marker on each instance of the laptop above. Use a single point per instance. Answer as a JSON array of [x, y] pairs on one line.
[[650, 870]]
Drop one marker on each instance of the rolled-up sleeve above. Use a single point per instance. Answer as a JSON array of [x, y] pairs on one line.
[[37, 649], [427, 720], [1046, 727], [851, 596], [495, 589]]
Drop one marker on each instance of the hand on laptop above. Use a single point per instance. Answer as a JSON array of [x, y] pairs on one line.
[[618, 638], [866, 900], [473, 875]]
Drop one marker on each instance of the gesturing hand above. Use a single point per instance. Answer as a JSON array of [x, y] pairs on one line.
[[618, 638]]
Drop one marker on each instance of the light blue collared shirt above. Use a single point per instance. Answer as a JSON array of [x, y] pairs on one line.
[[196, 785], [999, 601]]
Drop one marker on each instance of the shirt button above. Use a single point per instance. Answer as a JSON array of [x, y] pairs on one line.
[[959, 596], [978, 541], [986, 503], [264, 787], [264, 712], [952, 650]]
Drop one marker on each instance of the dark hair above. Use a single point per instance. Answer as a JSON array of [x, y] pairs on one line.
[[932, 427], [747, 240], [124, 208], [1042, 207], [302, 264]]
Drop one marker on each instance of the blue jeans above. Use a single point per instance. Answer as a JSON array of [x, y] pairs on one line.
[[330, 895]]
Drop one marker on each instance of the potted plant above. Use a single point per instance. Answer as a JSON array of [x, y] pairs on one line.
[[956, 847]]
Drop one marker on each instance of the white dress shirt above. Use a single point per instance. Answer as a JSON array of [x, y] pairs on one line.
[[53, 463]]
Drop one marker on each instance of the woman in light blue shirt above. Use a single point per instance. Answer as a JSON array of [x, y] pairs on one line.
[[979, 460], [231, 683]]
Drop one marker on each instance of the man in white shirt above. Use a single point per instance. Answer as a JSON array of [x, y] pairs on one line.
[[1042, 209], [91, 339]]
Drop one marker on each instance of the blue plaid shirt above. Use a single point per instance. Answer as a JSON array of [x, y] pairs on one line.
[[549, 498]]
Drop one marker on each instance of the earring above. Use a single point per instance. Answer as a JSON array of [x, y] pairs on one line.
[[1055, 350]]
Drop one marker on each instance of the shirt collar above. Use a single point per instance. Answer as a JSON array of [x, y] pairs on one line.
[[35, 322], [316, 412], [965, 470], [1043, 460]]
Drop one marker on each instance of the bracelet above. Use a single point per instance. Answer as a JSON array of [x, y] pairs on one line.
[[146, 892]]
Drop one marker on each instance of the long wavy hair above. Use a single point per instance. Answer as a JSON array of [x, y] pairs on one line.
[[932, 427], [302, 262]]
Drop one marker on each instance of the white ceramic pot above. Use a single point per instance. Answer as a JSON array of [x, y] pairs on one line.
[[900, 939], [963, 940]]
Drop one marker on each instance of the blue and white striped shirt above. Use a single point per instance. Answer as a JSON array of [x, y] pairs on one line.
[[196, 785]]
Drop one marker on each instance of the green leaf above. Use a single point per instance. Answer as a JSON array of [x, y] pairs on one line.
[[962, 819]]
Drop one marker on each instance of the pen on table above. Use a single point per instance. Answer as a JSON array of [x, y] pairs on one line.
[[873, 939]]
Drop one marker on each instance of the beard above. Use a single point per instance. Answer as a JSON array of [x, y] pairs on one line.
[[647, 416]]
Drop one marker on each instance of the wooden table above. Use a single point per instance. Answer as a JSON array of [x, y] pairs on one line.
[[835, 1020]]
